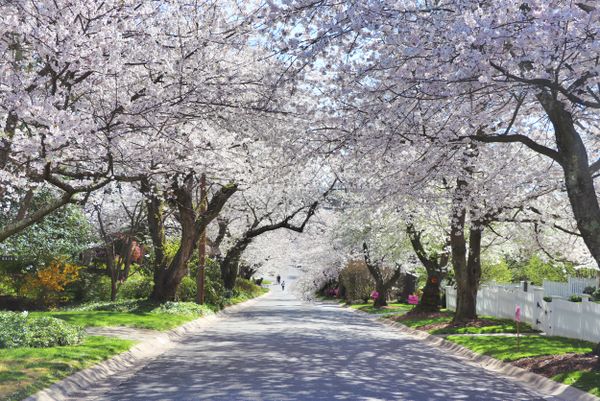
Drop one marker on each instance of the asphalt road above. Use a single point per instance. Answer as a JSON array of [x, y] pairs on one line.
[[284, 349]]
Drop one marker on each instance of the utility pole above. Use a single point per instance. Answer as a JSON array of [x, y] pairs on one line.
[[201, 245]]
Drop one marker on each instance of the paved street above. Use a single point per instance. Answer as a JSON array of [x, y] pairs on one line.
[[283, 349]]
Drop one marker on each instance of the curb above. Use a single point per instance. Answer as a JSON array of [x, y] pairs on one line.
[[134, 359], [533, 380]]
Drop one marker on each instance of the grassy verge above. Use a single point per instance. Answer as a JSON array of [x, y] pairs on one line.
[[395, 308], [145, 315], [244, 296], [324, 298], [23, 371], [486, 324], [505, 348], [586, 381], [420, 321], [141, 320]]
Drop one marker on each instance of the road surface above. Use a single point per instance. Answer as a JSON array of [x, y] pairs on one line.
[[283, 349]]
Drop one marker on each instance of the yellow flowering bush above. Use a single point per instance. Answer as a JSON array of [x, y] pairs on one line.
[[48, 283]]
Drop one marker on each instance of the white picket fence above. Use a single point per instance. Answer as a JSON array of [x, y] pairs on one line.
[[574, 286], [580, 320]]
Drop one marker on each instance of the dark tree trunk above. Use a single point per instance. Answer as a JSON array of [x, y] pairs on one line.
[[467, 268], [408, 287], [381, 300], [382, 286], [168, 278], [430, 300], [434, 265], [467, 271], [579, 180], [231, 262], [113, 288]]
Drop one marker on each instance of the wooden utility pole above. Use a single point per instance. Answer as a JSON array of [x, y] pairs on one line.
[[201, 246]]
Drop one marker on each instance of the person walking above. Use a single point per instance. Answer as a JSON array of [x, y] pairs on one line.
[[278, 279], [282, 285]]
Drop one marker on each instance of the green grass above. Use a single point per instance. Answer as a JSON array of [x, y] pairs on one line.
[[395, 308], [586, 381], [23, 371], [505, 348], [416, 322], [503, 326], [142, 320], [246, 295], [267, 282]]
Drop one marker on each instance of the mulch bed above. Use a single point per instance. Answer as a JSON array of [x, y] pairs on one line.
[[551, 365]]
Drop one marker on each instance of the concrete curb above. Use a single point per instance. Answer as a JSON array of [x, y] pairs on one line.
[[134, 359], [533, 380]]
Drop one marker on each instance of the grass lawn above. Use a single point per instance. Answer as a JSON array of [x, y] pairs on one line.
[[23, 371], [492, 325], [142, 320], [586, 381], [324, 298], [505, 348], [418, 321], [502, 326], [396, 308], [245, 296]]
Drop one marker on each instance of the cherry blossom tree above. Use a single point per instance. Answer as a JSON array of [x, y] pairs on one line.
[[119, 214]]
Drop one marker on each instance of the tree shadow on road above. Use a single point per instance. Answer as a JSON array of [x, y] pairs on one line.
[[278, 351]]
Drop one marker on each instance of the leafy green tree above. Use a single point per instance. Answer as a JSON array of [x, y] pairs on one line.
[[535, 270], [64, 233], [498, 272]]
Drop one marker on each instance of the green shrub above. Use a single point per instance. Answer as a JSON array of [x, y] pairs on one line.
[[596, 295], [244, 286], [136, 287], [183, 308], [20, 330], [589, 290], [575, 298], [13, 329], [186, 292], [122, 305], [93, 285], [214, 290], [548, 299], [357, 280], [47, 331]]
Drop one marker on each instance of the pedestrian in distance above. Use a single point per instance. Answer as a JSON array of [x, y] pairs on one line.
[[278, 279], [282, 285]]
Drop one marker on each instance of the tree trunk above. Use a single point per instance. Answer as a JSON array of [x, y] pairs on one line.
[[408, 287], [430, 300], [168, 278], [434, 264], [382, 289], [466, 308], [201, 246], [113, 288], [578, 177], [466, 293], [231, 262]]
